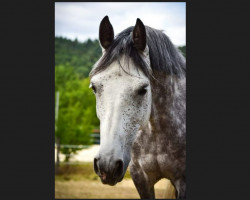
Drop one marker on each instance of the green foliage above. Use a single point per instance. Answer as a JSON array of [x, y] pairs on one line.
[[183, 50], [77, 115], [81, 56]]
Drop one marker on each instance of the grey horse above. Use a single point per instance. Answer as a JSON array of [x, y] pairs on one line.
[[140, 88]]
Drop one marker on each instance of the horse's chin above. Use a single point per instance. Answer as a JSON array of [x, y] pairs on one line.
[[111, 183]]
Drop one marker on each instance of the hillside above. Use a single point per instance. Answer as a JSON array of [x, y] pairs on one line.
[[79, 55]]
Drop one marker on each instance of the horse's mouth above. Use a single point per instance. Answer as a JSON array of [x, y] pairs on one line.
[[111, 181]]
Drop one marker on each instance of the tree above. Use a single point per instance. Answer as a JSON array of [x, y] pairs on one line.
[[81, 56], [77, 115]]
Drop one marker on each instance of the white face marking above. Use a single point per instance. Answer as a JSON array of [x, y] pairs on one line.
[[121, 108]]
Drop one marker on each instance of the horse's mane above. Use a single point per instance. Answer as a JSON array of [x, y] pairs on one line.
[[164, 56]]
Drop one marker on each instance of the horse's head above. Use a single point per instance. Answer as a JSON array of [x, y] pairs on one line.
[[123, 103]]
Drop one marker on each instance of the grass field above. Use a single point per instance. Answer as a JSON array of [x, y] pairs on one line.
[[80, 182]]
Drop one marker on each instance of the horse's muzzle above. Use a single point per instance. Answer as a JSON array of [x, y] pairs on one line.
[[109, 174]]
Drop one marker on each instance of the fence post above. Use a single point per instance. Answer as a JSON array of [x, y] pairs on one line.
[[57, 155], [57, 139]]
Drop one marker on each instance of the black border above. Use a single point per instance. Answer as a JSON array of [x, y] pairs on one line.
[[217, 100], [27, 100]]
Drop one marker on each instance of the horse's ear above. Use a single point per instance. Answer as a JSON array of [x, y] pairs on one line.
[[139, 35], [106, 33]]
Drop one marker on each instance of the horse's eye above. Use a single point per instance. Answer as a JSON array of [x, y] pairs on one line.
[[93, 88], [142, 91]]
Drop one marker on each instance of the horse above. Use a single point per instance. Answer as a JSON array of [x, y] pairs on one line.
[[140, 88]]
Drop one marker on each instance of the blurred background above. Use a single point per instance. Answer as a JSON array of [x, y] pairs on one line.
[[77, 133]]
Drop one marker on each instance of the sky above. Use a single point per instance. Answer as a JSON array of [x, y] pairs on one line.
[[81, 20]]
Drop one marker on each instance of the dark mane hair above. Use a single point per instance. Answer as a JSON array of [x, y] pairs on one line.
[[164, 56]]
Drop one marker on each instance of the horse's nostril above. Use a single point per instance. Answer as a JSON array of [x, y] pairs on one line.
[[118, 169], [96, 166]]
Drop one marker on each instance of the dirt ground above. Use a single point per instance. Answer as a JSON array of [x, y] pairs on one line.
[[80, 182], [87, 189]]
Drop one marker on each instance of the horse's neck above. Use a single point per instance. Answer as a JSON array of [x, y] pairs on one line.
[[168, 114]]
